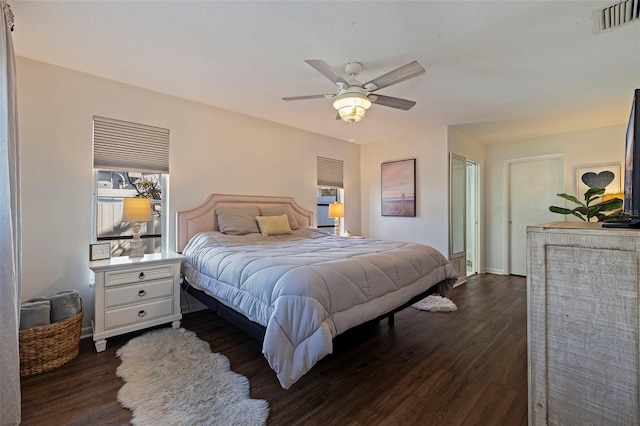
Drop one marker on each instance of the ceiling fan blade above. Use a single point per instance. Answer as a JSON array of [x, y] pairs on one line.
[[390, 101], [323, 68], [405, 72], [301, 98]]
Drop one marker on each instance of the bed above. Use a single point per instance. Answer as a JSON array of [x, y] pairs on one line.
[[258, 262]]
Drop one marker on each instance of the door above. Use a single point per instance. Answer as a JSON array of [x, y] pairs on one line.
[[533, 185]]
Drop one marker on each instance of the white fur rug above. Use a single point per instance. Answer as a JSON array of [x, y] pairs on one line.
[[172, 378], [435, 303]]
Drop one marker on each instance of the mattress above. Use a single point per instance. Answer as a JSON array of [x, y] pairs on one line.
[[308, 287]]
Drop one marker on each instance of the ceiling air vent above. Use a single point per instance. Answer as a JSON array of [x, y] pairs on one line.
[[615, 15]]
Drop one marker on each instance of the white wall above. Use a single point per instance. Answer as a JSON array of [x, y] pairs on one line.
[[211, 150], [466, 146], [430, 224], [589, 147]]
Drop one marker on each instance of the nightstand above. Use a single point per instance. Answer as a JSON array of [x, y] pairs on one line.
[[135, 293]]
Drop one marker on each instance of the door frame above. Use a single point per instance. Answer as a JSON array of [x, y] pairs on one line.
[[477, 213], [506, 215]]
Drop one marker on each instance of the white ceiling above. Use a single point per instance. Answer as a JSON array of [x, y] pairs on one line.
[[500, 71]]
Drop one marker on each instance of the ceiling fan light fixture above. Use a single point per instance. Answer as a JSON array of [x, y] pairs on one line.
[[352, 106]]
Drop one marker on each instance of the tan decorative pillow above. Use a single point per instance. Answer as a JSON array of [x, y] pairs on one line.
[[274, 225], [237, 220], [277, 210]]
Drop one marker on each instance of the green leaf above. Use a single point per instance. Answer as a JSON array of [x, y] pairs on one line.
[[582, 210], [572, 199], [560, 210], [593, 192], [578, 215], [611, 204], [600, 208]]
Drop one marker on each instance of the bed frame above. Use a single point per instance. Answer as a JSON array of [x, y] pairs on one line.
[[203, 218]]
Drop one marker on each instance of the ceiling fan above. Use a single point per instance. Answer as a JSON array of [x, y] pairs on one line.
[[354, 98]]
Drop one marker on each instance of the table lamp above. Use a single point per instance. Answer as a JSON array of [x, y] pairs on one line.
[[136, 210], [336, 210]]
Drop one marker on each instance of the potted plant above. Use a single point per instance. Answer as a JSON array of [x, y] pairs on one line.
[[586, 211]]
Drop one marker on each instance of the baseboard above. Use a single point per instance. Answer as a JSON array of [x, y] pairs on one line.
[[495, 271], [86, 332], [460, 281]]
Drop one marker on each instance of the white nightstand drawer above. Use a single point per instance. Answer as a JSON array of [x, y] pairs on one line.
[[134, 275], [138, 313], [135, 293], [138, 293]]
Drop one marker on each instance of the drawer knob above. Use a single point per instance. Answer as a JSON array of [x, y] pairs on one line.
[[142, 293], [141, 314], [141, 276]]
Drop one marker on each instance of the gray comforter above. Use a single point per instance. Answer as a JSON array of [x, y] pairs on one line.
[[308, 287]]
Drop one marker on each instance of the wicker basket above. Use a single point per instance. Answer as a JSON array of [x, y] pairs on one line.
[[50, 346]]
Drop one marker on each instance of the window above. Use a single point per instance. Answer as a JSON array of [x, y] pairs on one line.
[[111, 188], [325, 197], [129, 160], [330, 190]]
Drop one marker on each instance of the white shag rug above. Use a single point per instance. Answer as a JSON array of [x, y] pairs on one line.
[[435, 303], [172, 378]]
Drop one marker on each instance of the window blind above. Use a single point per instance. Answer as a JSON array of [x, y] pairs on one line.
[[330, 173], [121, 145]]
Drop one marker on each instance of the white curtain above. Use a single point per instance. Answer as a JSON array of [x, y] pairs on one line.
[[10, 240]]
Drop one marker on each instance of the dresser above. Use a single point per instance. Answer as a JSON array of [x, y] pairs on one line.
[[135, 293], [583, 324]]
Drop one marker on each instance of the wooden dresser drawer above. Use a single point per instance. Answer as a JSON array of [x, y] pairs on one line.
[[138, 293], [135, 275], [138, 313]]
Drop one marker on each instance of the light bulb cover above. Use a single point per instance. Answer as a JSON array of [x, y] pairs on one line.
[[352, 106]]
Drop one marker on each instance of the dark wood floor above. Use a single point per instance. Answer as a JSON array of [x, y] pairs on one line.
[[461, 368]]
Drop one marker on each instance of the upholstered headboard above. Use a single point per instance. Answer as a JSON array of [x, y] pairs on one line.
[[203, 218]]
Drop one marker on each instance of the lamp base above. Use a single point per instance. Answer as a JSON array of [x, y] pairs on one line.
[[136, 251], [137, 248], [336, 225]]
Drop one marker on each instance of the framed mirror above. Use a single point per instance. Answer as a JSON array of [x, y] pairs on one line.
[[457, 214]]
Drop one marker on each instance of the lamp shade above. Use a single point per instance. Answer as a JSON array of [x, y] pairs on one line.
[[352, 107], [336, 210], [136, 209]]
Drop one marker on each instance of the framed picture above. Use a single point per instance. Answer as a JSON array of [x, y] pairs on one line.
[[399, 188], [99, 251], [602, 176]]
